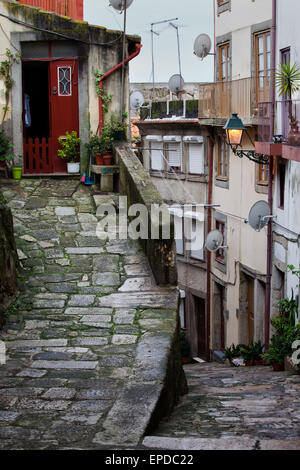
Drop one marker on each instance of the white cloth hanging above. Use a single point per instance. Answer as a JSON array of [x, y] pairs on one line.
[[27, 110]]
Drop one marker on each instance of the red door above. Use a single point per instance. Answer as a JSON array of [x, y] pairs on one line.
[[63, 106]]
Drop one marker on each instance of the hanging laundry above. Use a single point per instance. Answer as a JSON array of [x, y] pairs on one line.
[[27, 110]]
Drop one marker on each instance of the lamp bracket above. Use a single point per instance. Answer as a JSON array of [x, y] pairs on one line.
[[252, 155]]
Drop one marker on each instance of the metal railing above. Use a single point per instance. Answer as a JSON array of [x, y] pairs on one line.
[[285, 112], [221, 99]]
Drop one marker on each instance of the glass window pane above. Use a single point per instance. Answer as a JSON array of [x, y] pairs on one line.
[[64, 81]]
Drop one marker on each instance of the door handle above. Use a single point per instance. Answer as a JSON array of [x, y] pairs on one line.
[[54, 90]]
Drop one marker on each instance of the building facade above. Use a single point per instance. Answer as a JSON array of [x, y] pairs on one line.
[[53, 79]]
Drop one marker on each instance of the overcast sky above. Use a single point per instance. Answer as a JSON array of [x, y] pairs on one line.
[[194, 17]]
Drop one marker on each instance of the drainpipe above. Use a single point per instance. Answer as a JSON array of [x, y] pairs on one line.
[[209, 228], [107, 74], [270, 185]]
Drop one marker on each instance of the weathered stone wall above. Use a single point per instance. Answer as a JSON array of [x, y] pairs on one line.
[[8, 259], [138, 187]]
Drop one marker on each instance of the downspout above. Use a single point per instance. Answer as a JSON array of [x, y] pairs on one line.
[[215, 43], [209, 228], [270, 183], [107, 74]]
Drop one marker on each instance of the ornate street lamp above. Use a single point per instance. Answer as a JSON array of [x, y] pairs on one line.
[[234, 130]]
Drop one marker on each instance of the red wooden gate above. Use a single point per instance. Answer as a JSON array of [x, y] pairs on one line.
[[37, 156]]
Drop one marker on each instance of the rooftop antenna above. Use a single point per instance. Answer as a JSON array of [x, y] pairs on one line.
[[152, 46], [121, 6], [178, 45]]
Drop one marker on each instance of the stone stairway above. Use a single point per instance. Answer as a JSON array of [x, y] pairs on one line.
[[247, 408], [90, 320]]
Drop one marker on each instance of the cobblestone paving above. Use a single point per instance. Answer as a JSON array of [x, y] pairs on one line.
[[254, 406], [73, 342]]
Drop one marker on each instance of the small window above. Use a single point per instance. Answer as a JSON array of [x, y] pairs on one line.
[[156, 155], [64, 81], [281, 177], [196, 159], [223, 159], [197, 250], [179, 234], [220, 254], [224, 54], [263, 175], [174, 156]]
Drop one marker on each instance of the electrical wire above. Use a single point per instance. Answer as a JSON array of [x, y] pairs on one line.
[[22, 23], [7, 37]]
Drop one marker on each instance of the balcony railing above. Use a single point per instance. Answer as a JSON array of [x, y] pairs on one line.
[[221, 99], [283, 110]]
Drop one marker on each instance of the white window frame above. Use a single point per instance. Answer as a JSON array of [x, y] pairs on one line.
[[174, 139], [58, 79], [158, 141], [193, 141]]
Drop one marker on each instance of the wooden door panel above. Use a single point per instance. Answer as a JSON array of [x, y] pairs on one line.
[[63, 105], [201, 326]]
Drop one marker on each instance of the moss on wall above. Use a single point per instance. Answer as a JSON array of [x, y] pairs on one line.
[[9, 262]]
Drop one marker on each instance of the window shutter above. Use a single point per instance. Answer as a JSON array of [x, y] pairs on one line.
[[179, 235], [156, 155], [174, 155], [196, 158]]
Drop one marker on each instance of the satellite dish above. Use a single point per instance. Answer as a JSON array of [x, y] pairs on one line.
[[136, 100], [120, 4], [214, 241], [202, 46], [259, 215], [176, 83]]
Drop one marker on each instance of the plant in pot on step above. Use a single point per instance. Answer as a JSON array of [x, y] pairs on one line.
[[106, 145], [6, 149], [93, 148], [70, 150], [185, 348], [117, 128], [231, 353], [287, 80]]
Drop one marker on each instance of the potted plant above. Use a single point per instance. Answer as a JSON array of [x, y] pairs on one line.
[[117, 128], [106, 145], [253, 354], [185, 348], [93, 148], [70, 151], [233, 352], [5, 152], [276, 353], [287, 80]]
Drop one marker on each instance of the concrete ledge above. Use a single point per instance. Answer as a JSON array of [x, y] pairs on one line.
[[137, 185]]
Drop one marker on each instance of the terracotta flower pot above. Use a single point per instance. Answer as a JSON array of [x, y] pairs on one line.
[[249, 363], [294, 136], [186, 360], [258, 363], [99, 160], [107, 159], [277, 367]]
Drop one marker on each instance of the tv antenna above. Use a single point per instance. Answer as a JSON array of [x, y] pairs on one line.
[[178, 45], [152, 48], [259, 216], [214, 241], [202, 46]]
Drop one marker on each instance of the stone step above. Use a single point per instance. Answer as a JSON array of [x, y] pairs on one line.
[[232, 443]]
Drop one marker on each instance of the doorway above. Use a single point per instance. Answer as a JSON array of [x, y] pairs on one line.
[[218, 330], [200, 317], [50, 109]]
